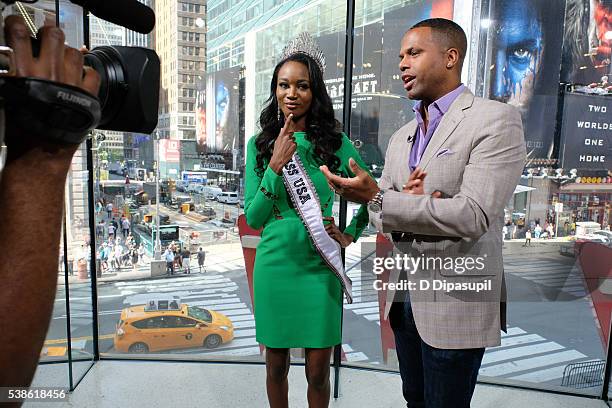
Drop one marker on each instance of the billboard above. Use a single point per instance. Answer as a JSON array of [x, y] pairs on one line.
[[169, 150], [525, 43], [217, 104], [586, 132], [379, 105], [587, 41]]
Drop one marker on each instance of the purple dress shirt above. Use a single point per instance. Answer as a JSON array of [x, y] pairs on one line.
[[436, 111]]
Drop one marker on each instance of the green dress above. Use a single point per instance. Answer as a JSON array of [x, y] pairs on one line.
[[297, 298]]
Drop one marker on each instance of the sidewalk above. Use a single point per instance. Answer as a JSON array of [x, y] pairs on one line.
[[144, 272], [234, 249]]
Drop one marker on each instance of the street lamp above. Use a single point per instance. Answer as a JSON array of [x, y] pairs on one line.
[[157, 247]]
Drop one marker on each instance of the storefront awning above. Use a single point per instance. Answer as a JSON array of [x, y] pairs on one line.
[[587, 187], [522, 189]]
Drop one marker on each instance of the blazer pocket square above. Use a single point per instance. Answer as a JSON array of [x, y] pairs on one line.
[[444, 152]]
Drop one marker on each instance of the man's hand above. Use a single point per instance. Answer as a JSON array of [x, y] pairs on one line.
[[416, 184], [360, 189], [57, 63]]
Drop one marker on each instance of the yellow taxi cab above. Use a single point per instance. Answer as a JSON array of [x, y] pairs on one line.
[[168, 324]]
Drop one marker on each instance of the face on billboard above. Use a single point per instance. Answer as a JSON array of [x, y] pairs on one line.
[[517, 53], [222, 100]]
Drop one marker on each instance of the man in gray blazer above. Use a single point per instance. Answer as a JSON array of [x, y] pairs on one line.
[[447, 177]]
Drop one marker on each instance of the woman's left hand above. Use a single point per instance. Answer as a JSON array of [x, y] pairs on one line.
[[343, 239]]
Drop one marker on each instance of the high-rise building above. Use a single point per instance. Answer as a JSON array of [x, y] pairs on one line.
[[180, 41]]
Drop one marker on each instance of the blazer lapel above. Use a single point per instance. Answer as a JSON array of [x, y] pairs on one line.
[[447, 125], [406, 148]]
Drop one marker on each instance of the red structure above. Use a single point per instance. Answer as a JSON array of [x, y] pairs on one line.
[[595, 260]]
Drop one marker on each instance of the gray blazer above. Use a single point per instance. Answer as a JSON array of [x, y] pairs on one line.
[[475, 157]]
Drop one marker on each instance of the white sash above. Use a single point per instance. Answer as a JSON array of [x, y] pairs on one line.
[[306, 202]]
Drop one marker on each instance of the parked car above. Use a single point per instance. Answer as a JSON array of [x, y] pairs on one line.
[[228, 198], [206, 211], [181, 185], [211, 192], [168, 324], [192, 187], [606, 234], [222, 223]]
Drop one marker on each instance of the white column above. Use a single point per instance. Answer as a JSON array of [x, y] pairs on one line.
[[250, 110]]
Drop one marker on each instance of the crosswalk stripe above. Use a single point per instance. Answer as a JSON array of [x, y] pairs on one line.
[[169, 280], [540, 376], [186, 287], [242, 318], [366, 310], [248, 341], [514, 341], [230, 306], [346, 348], [513, 331], [512, 353], [238, 312], [213, 302], [358, 356], [532, 363], [372, 317], [244, 324], [244, 333], [360, 305], [248, 351]]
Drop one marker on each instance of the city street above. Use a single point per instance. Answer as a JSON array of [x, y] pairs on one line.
[[544, 288]]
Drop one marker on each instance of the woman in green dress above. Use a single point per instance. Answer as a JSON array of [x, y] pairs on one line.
[[297, 297]]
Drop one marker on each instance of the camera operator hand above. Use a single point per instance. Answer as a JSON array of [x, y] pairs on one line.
[[56, 62], [31, 207]]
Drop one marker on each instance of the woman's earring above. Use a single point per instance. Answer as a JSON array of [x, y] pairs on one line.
[[280, 115]]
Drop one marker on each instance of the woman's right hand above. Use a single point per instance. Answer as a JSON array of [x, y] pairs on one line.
[[284, 146]]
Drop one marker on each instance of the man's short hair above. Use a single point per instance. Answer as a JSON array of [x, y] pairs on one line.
[[448, 33]]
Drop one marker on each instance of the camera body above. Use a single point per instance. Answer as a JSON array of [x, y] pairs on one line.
[[128, 99]]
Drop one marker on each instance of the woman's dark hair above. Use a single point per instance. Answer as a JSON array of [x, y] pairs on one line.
[[322, 129]]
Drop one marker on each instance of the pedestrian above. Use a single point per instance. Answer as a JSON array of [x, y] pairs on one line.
[[111, 230], [178, 261], [104, 257], [125, 226], [98, 207], [201, 259], [551, 230], [118, 255], [115, 224], [109, 210], [169, 257], [111, 259], [100, 230], [185, 258], [134, 256], [537, 231], [141, 253], [527, 238]]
